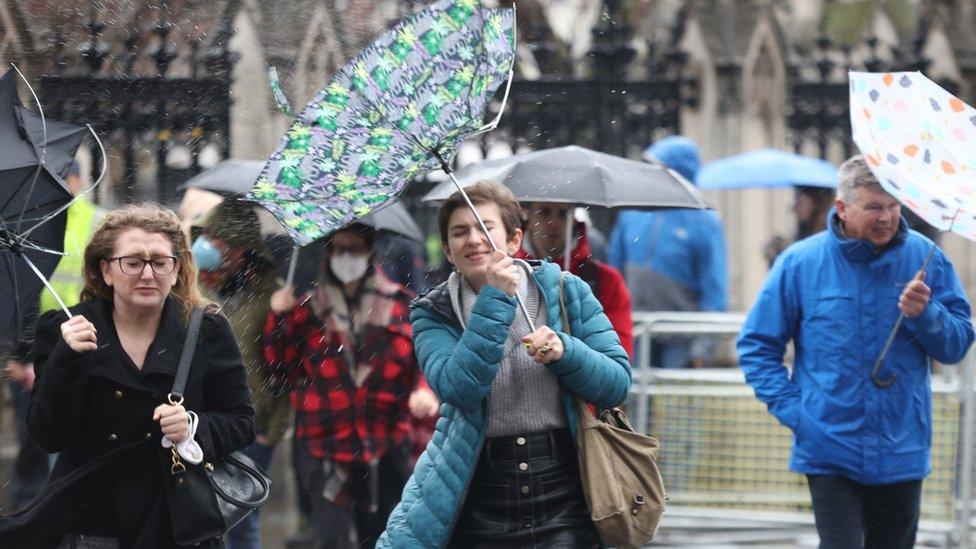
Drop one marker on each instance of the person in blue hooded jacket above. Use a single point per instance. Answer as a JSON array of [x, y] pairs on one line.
[[673, 260], [837, 296], [501, 469]]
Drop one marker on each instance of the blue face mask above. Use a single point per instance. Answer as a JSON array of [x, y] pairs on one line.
[[206, 254]]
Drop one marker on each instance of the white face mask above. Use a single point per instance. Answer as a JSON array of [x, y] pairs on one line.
[[349, 267]]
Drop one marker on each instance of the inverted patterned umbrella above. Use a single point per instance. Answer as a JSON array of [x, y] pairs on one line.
[[398, 110], [918, 140]]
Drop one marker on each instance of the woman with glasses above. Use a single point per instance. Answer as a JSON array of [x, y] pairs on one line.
[[100, 397]]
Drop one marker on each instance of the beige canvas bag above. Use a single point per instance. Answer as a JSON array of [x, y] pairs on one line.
[[618, 467]]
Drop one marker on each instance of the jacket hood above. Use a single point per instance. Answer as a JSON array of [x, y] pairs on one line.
[[863, 251], [678, 153]]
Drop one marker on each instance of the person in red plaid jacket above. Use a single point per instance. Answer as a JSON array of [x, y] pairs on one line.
[[347, 347]]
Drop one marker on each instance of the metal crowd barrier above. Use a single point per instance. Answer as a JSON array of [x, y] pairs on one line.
[[725, 458]]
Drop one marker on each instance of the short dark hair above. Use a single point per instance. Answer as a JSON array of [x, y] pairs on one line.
[[368, 234], [483, 192]]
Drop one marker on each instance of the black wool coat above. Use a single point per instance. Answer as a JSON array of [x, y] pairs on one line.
[[95, 409]]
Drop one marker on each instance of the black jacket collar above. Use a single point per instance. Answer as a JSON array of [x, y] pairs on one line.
[[110, 360]]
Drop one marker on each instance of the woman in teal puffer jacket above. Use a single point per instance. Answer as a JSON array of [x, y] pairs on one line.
[[501, 469]]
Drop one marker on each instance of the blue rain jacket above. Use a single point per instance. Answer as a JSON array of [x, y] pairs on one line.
[[672, 259], [460, 365], [837, 300]]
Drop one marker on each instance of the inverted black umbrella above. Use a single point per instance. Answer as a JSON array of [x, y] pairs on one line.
[[33, 199]]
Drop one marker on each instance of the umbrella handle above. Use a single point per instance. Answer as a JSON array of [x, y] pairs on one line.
[[884, 383]]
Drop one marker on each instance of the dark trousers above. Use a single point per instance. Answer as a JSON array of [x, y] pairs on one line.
[[31, 465], [334, 523], [853, 515]]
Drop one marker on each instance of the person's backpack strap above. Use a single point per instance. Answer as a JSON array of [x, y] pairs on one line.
[[186, 357]]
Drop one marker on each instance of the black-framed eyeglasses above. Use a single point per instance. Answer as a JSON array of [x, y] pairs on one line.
[[133, 265]]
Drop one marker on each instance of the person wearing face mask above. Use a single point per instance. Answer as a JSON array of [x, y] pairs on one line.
[[347, 347], [238, 273]]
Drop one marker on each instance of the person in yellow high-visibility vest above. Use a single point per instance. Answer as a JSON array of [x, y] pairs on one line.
[[83, 218]]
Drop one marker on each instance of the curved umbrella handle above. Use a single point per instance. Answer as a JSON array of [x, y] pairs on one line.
[[885, 383]]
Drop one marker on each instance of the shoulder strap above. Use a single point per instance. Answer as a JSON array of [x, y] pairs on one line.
[[186, 357]]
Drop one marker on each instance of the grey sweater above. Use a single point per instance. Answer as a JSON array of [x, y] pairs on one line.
[[525, 395]]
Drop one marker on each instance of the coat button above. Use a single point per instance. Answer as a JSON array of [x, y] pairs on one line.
[[520, 441], [523, 466], [118, 395], [113, 437], [524, 489], [148, 436]]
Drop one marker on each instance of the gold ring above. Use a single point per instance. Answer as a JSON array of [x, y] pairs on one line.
[[545, 350]]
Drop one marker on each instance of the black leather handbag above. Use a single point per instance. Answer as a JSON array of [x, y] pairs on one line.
[[208, 499]]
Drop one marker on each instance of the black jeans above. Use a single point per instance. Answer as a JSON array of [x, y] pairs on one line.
[[333, 524], [526, 492], [854, 515]]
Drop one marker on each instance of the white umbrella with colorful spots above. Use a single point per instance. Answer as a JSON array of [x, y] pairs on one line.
[[920, 142]]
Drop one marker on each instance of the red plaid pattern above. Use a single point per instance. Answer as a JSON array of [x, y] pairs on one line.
[[340, 421]]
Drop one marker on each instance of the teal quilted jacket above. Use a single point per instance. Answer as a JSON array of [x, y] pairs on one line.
[[460, 365]]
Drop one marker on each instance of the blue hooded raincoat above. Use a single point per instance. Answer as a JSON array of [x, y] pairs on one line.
[[673, 260], [460, 366], [837, 299]]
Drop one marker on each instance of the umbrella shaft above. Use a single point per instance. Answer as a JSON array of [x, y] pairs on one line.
[[47, 285]]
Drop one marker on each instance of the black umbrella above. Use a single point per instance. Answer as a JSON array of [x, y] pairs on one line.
[[574, 175], [579, 176], [33, 199], [233, 178]]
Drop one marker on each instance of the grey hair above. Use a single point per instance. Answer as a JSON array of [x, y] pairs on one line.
[[854, 173]]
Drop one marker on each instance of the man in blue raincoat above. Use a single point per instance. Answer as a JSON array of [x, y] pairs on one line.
[[837, 295], [673, 260]]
